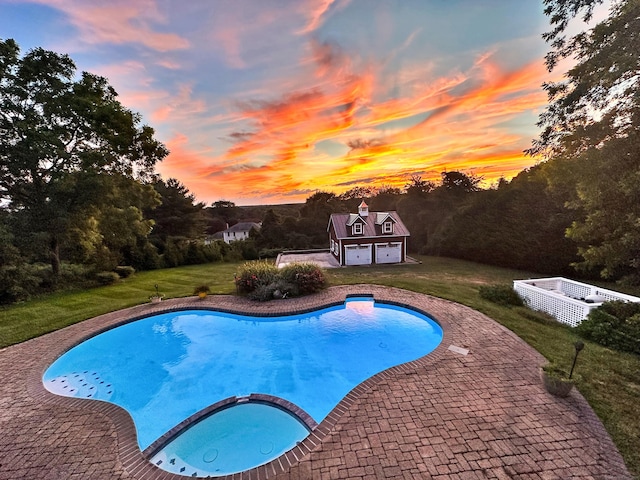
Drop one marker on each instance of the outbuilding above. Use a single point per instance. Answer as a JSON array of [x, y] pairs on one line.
[[366, 238]]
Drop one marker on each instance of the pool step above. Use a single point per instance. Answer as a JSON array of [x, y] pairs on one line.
[[176, 465]]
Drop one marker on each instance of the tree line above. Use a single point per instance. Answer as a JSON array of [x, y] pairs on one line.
[[79, 194], [78, 191], [517, 224]]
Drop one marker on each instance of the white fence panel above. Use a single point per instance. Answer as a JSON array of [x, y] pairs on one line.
[[564, 299]]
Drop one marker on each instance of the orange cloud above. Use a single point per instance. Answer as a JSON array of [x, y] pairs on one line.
[[277, 149]]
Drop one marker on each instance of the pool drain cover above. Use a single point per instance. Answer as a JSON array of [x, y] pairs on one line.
[[266, 448], [210, 455]]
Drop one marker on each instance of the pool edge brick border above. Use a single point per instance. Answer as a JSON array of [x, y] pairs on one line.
[[443, 416]]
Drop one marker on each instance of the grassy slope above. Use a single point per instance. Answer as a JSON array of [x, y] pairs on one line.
[[610, 380], [52, 312]]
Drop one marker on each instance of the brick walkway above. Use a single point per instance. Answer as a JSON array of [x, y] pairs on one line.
[[483, 415]]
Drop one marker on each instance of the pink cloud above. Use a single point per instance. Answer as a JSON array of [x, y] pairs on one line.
[[180, 106], [315, 11], [119, 22]]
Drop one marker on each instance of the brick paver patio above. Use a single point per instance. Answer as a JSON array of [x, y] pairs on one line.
[[484, 415]]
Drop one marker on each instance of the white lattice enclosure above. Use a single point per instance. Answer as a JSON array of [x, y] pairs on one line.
[[567, 300]]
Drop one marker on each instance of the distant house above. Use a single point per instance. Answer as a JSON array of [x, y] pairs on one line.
[[366, 238], [239, 231], [212, 238]]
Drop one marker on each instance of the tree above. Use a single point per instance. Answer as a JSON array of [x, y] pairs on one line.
[[60, 138], [352, 197], [506, 225], [414, 208], [591, 128], [315, 215], [418, 187], [112, 230], [224, 210], [16, 280], [271, 233], [598, 99], [385, 199], [459, 182], [608, 196], [178, 213]]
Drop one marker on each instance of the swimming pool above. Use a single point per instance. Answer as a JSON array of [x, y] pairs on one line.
[[166, 368]]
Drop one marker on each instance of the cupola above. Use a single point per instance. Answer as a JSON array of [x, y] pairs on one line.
[[363, 209]]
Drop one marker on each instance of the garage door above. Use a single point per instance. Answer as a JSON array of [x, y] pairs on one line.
[[358, 254], [389, 253]]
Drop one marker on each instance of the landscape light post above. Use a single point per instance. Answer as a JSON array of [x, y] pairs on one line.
[[579, 346]]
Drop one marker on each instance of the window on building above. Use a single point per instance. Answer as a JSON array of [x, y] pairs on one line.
[[357, 229], [387, 227]]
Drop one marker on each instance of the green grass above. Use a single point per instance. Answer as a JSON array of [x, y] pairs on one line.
[[48, 313], [610, 381]]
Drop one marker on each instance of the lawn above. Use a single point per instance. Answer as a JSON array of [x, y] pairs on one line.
[[610, 380]]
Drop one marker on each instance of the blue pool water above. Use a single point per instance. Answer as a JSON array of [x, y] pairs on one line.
[[231, 441], [165, 368]]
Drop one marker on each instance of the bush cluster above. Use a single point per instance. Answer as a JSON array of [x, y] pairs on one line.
[[107, 278], [202, 289], [21, 282], [252, 275], [307, 277], [262, 281], [615, 325], [501, 294], [269, 252], [124, 271], [180, 251]]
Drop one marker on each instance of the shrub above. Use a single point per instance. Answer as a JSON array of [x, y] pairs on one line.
[[307, 277], [615, 325], [269, 252], [263, 281], [213, 251], [18, 282], [285, 289], [147, 259], [274, 290], [107, 278], [248, 249], [175, 251], [252, 275], [262, 293], [501, 294], [201, 289], [194, 254], [124, 271]]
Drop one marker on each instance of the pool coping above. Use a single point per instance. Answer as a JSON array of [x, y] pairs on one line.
[[277, 402], [136, 465], [136, 461]]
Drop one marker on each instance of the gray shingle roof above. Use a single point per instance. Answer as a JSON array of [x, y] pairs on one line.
[[372, 225], [243, 227]]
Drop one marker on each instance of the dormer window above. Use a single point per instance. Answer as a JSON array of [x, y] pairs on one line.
[[387, 227], [357, 229]]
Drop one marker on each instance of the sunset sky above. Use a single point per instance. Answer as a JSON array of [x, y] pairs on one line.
[[268, 101]]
